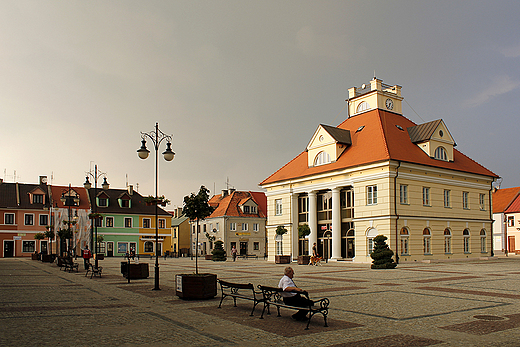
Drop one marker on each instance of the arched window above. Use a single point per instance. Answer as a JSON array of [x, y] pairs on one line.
[[465, 235], [447, 241], [404, 235], [322, 158], [363, 106], [427, 241], [441, 154], [371, 234], [148, 246], [483, 241]]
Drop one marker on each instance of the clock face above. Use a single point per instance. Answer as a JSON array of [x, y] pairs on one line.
[[389, 104]]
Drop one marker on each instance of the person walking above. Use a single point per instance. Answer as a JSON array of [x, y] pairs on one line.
[[234, 253], [86, 257]]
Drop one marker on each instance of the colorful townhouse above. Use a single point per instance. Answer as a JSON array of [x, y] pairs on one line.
[[24, 212], [380, 173], [506, 220], [180, 234], [127, 222], [238, 220]]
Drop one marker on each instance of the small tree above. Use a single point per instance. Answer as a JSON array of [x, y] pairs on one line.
[[303, 231], [50, 235], [219, 254], [196, 207], [280, 230], [382, 254], [39, 236]]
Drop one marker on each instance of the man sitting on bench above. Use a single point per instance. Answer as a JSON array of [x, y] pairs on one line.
[[291, 294]]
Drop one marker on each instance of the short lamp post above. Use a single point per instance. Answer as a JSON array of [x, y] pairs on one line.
[[93, 239], [156, 136]]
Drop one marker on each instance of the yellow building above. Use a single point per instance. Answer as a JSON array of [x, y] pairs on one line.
[[380, 173]]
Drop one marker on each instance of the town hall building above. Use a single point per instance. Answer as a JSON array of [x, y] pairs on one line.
[[380, 173]]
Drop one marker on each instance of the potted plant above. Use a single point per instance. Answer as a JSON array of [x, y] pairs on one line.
[[303, 231], [95, 216], [160, 200], [196, 286], [281, 259]]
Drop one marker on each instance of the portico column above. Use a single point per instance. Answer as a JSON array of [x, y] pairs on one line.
[[336, 224], [294, 226], [313, 220]]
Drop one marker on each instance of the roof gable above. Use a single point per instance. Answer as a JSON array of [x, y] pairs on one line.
[[503, 198]]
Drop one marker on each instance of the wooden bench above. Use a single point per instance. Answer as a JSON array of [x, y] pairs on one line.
[[241, 291], [69, 264], [94, 271], [272, 296]]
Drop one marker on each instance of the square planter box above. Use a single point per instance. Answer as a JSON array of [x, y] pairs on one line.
[[137, 271], [199, 287], [208, 256], [282, 259], [304, 259]]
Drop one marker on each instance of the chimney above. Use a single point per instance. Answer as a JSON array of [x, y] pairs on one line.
[[43, 179], [224, 193], [131, 190], [231, 190]]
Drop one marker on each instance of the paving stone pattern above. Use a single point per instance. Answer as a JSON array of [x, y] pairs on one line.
[[472, 303]]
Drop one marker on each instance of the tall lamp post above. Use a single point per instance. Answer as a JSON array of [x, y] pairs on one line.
[[156, 136], [95, 175], [69, 201]]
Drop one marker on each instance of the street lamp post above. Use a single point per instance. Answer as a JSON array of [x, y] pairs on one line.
[[95, 175], [69, 201], [156, 136]]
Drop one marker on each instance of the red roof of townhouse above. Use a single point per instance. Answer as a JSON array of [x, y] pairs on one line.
[[384, 137], [502, 198], [228, 205]]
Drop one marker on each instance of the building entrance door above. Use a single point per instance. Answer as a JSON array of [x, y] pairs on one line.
[[243, 248], [110, 249], [8, 248], [325, 245], [43, 247], [511, 244]]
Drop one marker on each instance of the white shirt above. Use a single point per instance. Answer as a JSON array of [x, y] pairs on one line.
[[285, 282]]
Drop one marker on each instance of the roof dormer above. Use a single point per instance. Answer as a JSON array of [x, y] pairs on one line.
[[327, 144], [102, 199], [124, 200], [434, 139], [374, 95], [37, 196], [248, 206]]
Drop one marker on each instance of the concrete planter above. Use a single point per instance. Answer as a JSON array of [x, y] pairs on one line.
[[282, 259], [304, 259], [196, 287]]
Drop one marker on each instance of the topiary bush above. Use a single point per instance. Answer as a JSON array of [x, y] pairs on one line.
[[218, 252], [382, 254]]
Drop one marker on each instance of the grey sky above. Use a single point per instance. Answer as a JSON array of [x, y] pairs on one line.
[[242, 85]]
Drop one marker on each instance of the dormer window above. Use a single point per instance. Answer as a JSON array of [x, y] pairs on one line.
[[363, 106], [322, 158], [103, 202], [441, 154], [37, 199], [246, 209]]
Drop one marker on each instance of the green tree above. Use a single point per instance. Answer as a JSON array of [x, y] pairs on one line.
[[382, 254], [50, 235], [219, 254], [196, 208]]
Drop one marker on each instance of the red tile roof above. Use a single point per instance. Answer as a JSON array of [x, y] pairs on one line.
[[503, 199], [379, 140], [229, 204]]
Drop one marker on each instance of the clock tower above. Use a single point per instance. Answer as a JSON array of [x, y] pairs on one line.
[[374, 95]]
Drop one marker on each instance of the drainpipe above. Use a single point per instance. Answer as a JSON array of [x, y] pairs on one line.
[[491, 219], [396, 214]]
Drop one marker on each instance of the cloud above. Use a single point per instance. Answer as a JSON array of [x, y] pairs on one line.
[[511, 51], [501, 85]]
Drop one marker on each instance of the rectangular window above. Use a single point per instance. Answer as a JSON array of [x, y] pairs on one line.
[[255, 227], [253, 209], [278, 207], [128, 222], [256, 246], [109, 222], [465, 200], [372, 195], [216, 226], [303, 208], [122, 247], [98, 222], [147, 223], [426, 196], [511, 221], [403, 193], [370, 245], [246, 209], [44, 219], [38, 199], [125, 203], [447, 198], [244, 226], [103, 202], [482, 201], [29, 219], [9, 218], [233, 226], [28, 246], [162, 223]]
